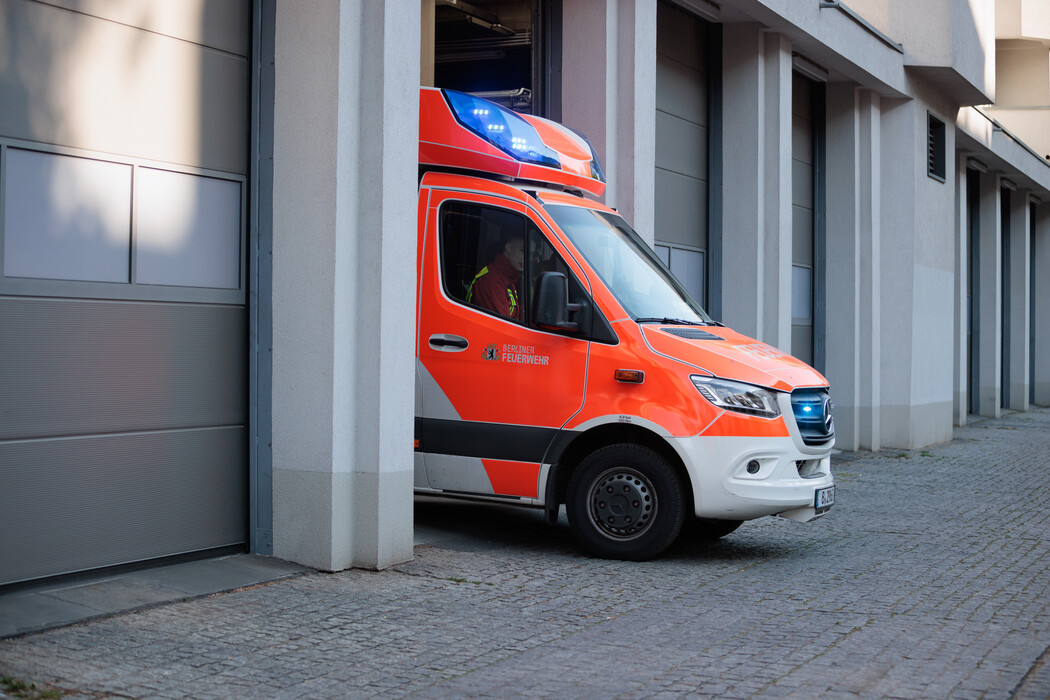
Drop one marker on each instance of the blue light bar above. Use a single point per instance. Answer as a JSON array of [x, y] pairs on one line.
[[502, 128]]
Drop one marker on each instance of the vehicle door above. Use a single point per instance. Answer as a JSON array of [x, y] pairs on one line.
[[496, 388]]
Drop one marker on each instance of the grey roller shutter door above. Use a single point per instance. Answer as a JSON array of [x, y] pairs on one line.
[[804, 269], [682, 146], [124, 403]]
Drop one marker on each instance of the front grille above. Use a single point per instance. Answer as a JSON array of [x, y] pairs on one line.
[[812, 409]]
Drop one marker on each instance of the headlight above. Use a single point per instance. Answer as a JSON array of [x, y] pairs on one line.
[[737, 396]]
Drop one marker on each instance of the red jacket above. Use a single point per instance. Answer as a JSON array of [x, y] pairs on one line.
[[496, 288]]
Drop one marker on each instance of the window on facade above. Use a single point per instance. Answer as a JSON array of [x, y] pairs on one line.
[[69, 218], [936, 158], [66, 218], [492, 260], [188, 230]]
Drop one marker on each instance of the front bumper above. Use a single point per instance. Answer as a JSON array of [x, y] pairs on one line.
[[784, 476]]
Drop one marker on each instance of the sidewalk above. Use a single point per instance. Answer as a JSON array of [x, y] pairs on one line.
[[54, 605], [51, 605], [929, 579]]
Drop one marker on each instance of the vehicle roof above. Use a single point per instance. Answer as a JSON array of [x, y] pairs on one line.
[[518, 191]]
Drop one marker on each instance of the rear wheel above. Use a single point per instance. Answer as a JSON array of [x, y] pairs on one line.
[[625, 502]]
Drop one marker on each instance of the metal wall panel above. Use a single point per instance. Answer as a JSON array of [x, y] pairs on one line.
[[681, 146], [72, 504], [83, 81], [123, 424], [682, 158], [219, 24], [70, 367], [681, 203]]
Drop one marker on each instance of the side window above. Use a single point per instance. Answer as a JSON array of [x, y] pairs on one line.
[[483, 257], [492, 259]]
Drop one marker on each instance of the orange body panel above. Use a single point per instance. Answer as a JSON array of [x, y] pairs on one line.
[[513, 478], [737, 357], [665, 397], [509, 373]]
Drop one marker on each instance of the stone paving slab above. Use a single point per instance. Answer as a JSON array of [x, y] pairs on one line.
[[929, 579]]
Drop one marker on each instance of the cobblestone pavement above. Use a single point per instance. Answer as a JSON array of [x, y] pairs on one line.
[[930, 578]]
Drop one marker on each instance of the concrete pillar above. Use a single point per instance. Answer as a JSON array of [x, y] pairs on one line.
[[869, 395], [1041, 280], [989, 324], [345, 143], [960, 366], [609, 93], [853, 254], [842, 364], [1020, 242], [917, 283], [756, 250]]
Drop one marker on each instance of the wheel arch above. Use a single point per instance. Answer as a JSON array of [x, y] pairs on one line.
[[601, 436]]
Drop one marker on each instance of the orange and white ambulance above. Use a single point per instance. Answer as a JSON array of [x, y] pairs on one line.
[[560, 363]]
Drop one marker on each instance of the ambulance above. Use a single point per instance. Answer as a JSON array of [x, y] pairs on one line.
[[560, 363]]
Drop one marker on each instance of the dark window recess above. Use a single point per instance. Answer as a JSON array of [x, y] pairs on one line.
[[935, 156], [486, 47]]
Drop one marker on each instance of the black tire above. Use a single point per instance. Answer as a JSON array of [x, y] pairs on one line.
[[625, 501], [707, 529]]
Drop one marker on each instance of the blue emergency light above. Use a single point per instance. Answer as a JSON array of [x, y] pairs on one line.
[[502, 128]]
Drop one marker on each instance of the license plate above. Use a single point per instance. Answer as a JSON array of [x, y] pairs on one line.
[[824, 498]]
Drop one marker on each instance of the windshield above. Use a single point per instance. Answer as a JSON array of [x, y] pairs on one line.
[[628, 267]]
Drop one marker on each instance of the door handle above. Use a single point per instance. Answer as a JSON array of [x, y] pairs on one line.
[[447, 343]]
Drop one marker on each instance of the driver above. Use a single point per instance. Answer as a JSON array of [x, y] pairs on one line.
[[496, 286]]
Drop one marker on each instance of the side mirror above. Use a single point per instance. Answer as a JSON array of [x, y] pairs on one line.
[[552, 303]]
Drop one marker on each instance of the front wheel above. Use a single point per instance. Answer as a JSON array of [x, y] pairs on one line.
[[625, 502]]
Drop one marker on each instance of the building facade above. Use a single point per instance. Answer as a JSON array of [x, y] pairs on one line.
[[207, 226]]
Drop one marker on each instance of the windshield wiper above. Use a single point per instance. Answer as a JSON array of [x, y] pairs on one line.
[[669, 321]]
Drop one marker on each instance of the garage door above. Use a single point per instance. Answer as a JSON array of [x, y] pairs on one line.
[[681, 146], [124, 131]]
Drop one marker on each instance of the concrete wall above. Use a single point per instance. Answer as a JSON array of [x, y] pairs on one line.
[[989, 303], [756, 239], [960, 343], [345, 124], [877, 12], [917, 281], [1023, 91], [1017, 365], [952, 42], [608, 93], [854, 252], [1022, 19]]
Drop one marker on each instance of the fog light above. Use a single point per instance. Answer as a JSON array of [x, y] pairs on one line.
[[753, 466]]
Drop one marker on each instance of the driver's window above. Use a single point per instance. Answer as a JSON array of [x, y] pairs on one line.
[[492, 259], [483, 257]]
